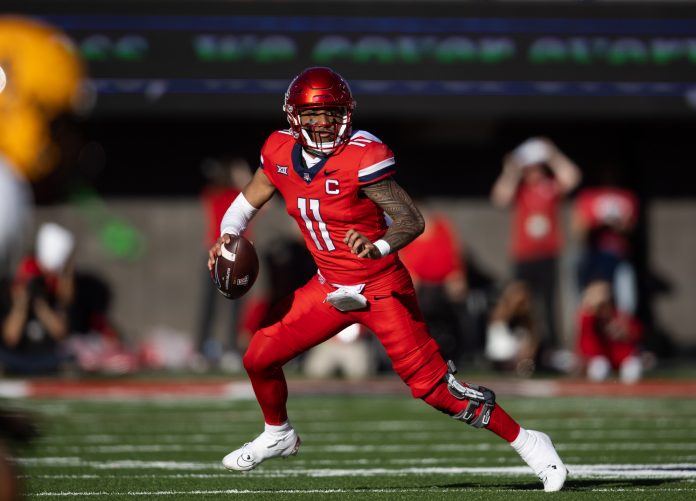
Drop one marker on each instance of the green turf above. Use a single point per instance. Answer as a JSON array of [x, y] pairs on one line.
[[375, 448]]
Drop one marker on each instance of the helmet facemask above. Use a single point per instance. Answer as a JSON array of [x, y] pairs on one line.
[[320, 130]]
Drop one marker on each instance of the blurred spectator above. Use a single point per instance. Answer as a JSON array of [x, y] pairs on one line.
[[225, 179], [607, 337], [512, 338], [604, 218], [349, 354], [35, 318], [535, 178], [436, 262], [41, 77], [55, 315]]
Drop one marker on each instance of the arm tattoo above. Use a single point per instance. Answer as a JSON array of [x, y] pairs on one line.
[[407, 220]]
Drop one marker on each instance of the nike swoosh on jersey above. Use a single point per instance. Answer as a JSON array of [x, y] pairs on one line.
[[329, 172]]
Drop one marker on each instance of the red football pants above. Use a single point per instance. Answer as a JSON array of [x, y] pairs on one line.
[[304, 319]]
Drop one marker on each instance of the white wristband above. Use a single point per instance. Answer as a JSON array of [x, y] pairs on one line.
[[237, 216], [383, 246]]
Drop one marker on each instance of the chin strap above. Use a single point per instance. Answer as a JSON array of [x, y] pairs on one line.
[[478, 396]]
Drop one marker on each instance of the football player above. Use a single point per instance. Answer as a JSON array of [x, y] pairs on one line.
[[338, 185], [41, 78]]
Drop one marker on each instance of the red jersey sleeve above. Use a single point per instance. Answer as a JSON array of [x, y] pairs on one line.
[[376, 163]]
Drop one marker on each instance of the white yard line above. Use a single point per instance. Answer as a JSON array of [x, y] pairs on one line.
[[667, 470], [365, 448], [312, 491], [315, 491], [686, 471]]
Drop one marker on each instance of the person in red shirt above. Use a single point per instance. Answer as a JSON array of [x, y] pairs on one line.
[[603, 221], [436, 256], [338, 186], [536, 177], [608, 338]]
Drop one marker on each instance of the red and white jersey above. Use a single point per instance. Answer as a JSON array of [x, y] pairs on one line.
[[536, 229], [607, 206], [609, 213], [325, 200]]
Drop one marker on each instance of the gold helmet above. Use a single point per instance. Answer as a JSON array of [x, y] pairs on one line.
[[44, 76]]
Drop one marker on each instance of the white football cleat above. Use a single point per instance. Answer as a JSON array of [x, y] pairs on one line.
[[540, 454], [265, 446]]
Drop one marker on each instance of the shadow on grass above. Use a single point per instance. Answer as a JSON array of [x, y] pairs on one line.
[[587, 484], [614, 483]]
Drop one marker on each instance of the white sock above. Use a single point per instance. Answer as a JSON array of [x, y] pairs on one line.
[[631, 370], [278, 429], [521, 440], [598, 368]]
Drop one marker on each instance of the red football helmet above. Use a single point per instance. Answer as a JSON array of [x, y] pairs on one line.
[[320, 88]]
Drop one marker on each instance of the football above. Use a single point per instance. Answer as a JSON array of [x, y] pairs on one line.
[[235, 271]]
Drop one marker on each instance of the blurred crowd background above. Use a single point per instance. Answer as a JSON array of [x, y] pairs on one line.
[[549, 145]]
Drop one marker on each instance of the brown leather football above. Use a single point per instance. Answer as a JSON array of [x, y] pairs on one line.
[[235, 271]]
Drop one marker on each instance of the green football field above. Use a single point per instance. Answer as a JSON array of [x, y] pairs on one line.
[[356, 447]]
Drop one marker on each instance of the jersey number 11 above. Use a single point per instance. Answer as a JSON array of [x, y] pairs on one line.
[[310, 218]]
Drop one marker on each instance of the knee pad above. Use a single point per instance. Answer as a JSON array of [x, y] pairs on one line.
[[479, 397]]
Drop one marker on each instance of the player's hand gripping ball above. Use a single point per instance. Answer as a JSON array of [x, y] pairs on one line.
[[235, 271]]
